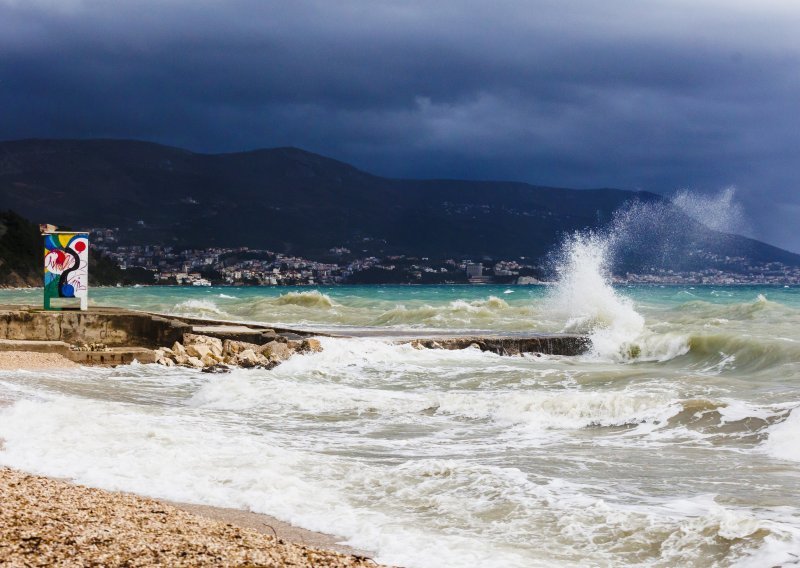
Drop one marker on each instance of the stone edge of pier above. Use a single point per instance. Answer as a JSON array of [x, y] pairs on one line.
[[127, 335]]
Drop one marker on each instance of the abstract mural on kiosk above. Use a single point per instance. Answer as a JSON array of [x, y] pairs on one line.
[[66, 268]]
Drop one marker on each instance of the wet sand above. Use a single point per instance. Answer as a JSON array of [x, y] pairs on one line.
[[49, 522]]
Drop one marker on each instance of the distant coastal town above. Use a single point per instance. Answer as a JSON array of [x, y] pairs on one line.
[[242, 266]]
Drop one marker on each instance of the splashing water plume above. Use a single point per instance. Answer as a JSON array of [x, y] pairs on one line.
[[648, 234], [591, 305]]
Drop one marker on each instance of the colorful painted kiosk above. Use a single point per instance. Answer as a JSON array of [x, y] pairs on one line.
[[66, 270]]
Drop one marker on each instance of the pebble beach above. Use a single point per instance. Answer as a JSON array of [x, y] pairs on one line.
[[48, 522]]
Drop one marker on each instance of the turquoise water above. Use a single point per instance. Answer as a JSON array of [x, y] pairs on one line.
[[491, 308], [672, 443]]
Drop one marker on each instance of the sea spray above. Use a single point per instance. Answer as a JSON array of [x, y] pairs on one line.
[[718, 212], [682, 234], [641, 235], [585, 297]]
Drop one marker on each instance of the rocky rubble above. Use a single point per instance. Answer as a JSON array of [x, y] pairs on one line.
[[215, 355]]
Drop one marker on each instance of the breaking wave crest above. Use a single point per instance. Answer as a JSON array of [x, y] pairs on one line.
[[200, 308], [760, 307], [457, 311], [742, 352], [311, 299]]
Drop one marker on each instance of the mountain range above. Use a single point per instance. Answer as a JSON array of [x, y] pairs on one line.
[[296, 202]]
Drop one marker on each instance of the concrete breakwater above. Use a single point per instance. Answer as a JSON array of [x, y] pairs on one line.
[[111, 336]]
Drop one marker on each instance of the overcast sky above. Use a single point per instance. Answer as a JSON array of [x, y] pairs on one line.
[[637, 94]]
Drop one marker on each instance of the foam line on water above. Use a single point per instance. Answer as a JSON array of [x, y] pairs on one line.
[[419, 513], [184, 458]]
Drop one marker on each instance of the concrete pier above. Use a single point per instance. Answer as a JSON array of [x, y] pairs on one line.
[[110, 356], [114, 327], [556, 344], [125, 335]]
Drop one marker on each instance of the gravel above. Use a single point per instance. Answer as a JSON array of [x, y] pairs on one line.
[[46, 522]]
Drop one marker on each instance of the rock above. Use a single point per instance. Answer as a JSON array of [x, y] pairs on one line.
[[276, 351], [182, 359], [195, 362], [166, 353], [231, 347], [209, 360], [247, 358], [197, 350], [311, 345], [218, 368], [191, 340], [178, 349], [164, 361]]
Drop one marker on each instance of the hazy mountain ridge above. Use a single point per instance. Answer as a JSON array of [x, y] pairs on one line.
[[289, 200]]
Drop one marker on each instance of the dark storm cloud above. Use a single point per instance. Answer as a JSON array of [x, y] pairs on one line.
[[650, 95]]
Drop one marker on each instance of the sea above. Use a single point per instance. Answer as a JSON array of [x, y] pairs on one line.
[[674, 442]]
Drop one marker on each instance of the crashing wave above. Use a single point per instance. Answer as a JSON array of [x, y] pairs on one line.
[[310, 299]]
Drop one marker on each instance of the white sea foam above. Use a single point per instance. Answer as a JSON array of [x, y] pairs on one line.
[[197, 307], [782, 442], [296, 385], [455, 458], [403, 451], [585, 297], [179, 457]]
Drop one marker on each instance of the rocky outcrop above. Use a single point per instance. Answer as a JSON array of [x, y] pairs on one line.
[[214, 355]]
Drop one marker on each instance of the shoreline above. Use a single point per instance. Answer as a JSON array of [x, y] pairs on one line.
[[46, 521], [263, 524], [260, 523], [268, 525]]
